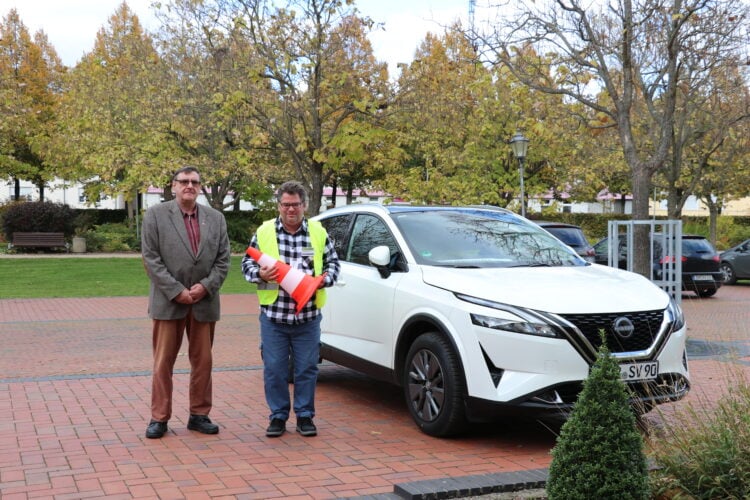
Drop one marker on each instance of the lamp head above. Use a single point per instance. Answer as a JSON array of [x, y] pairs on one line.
[[520, 145]]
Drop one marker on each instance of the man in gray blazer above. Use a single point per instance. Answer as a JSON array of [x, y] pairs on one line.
[[186, 255]]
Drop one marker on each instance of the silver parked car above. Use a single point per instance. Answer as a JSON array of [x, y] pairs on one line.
[[735, 263]]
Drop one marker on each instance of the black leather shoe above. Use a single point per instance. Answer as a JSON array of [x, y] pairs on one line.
[[155, 429], [306, 427], [276, 428], [202, 423]]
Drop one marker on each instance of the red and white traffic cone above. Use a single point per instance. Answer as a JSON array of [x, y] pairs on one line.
[[299, 285]]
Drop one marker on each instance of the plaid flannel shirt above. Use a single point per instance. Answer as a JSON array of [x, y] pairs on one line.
[[290, 252]]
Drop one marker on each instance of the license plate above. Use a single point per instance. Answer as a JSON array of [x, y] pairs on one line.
[[703, 277], [639, 371]]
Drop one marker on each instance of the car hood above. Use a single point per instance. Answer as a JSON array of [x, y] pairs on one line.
[[563, 290]]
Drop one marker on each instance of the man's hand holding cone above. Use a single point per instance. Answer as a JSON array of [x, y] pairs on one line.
[[296, 283]]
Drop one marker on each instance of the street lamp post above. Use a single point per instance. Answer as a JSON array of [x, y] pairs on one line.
[[520, 145]]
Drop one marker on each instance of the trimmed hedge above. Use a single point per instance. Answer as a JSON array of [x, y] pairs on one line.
[[37, 216]]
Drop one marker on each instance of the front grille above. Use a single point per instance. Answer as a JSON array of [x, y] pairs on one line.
[[646, 326]]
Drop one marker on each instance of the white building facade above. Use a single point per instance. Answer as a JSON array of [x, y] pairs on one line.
[[72, 194]]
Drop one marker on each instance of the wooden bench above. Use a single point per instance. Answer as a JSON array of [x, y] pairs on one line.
[[39, 240]]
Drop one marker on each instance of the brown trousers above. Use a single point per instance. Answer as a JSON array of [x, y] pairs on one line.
[[167, 339]]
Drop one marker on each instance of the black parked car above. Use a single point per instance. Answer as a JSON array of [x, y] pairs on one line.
[[735, 263], [701, 272], [572, 236]]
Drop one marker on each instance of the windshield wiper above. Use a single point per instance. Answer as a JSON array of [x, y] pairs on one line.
[[458, 266]]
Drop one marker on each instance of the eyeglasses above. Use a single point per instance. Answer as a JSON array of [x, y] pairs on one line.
[[185, 182], [287, 206]]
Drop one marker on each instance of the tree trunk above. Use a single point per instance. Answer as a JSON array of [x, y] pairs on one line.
[[316, 189], [335, 191], [641, 195], [349, 189], [713, 218], [714, 210], [130, 204]]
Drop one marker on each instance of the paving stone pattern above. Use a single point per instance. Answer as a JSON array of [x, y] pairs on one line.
[[75, 395]]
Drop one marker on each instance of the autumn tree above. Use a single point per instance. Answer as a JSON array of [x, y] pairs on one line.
[[631, 50], [726, 173], [563, 152], [456, 117], [30, 85], [312, 73], [598, 171], [364, 146], [708, 111], [437, 112], [202, 108], [106, 136]]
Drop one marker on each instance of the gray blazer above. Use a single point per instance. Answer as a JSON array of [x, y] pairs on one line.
[[172, 266]]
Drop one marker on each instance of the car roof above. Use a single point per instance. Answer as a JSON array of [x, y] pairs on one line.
[[684, 236], [397, 208], [546, 223]]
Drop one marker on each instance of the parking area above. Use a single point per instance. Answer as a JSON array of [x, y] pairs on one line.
[[75, 393]]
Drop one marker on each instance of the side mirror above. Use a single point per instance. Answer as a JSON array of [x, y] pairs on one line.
[[380, 257]]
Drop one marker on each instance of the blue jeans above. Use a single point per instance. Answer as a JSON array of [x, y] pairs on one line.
[[277, 341]]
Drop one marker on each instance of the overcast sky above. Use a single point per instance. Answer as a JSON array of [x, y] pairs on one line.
[[71, 25]]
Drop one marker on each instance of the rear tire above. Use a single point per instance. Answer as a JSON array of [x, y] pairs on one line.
[[706, 292], [730, 277], [434, 386]]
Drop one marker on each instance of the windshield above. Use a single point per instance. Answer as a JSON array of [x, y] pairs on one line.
[[480, 238]]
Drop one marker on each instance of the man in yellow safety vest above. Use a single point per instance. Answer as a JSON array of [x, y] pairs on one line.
[[302, 244]]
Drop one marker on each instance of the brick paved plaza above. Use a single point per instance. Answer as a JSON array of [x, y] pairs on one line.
[[75, 395]]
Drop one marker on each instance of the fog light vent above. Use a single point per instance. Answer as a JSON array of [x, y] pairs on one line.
[[495, 373], [549, 397]]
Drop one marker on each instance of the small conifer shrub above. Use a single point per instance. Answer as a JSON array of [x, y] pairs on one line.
[[599, 452]]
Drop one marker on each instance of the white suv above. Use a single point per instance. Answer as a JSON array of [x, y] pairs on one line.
[[476, 312]]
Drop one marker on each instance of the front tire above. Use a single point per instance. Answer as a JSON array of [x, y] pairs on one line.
[[434, 386], [730, 277]]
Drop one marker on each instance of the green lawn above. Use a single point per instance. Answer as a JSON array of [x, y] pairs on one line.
[[89, 277]]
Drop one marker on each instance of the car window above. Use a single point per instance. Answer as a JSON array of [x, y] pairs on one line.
[[474, 239], [602, 246], [696, 245], [338, 230], [368, 232], [601, 250], [569, 235]]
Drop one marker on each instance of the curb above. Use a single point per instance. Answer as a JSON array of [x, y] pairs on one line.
[[465, 486]]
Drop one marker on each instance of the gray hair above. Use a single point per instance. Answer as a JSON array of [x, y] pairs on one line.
[[292, 187], [184, 170]]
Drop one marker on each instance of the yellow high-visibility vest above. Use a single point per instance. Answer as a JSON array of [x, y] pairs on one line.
[[267, 244]]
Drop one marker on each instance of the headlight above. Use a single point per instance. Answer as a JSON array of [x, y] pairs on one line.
[[674, 311], [508, 325], [525, 321]]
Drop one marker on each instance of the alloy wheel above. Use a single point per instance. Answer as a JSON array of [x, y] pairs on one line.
[[426, 385]]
